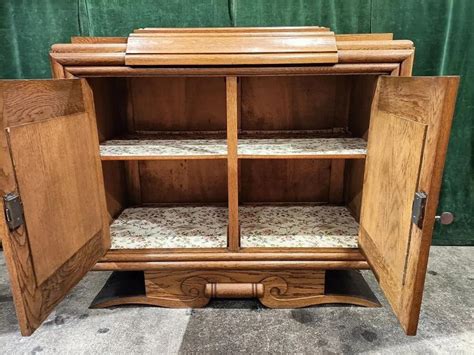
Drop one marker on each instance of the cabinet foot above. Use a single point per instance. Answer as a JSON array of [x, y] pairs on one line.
[[274, 289], [341, 287]]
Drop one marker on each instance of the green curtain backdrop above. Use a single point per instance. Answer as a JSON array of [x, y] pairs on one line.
[[443, 32]]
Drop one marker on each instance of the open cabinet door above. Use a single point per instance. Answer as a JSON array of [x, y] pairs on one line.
[[55, 226], [408, 137]]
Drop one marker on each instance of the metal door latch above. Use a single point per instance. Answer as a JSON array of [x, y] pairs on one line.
[[13, 210], [418, 210]]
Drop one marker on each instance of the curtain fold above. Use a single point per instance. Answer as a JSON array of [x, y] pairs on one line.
[[442, 32], [28, 29]]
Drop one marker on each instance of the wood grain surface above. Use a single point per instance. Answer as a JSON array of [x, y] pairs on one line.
[[407, 143], [65, 233], [231, 47]]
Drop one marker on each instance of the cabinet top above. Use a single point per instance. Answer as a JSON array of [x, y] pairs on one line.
[[233, 46]]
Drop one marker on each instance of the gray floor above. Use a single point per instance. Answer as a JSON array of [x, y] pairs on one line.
[[227, 327]]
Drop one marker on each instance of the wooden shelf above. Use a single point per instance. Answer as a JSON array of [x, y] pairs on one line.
[[261, 227], [156, 149], [297, 227], [258, 148], [283, 148], [170, 227]]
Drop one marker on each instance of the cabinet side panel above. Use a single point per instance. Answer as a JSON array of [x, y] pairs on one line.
[[362, 94], [114, 183], [111, 102], [353, 182]]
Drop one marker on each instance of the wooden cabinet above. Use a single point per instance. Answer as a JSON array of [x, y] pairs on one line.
[[227, 162]]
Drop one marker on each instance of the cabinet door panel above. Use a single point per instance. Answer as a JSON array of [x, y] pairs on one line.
[[49, 156], [408, 136]]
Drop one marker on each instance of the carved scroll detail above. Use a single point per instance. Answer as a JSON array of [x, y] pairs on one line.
[[174, 291], [293, 292], [274, 289]]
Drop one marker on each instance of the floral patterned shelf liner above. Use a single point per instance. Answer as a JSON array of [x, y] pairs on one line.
[[162, 147], [170, 227], [303, 146], [262, 226], [196, 147], [298, 226]]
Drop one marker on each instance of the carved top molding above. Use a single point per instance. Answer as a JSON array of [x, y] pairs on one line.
[[232, 46]]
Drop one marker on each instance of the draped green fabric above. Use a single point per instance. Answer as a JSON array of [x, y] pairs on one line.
[[442, 30]]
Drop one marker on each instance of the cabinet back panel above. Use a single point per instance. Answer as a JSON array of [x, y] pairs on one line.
[[295, 102], [183, 181], [110, 101], [177, 104], [281, 180]]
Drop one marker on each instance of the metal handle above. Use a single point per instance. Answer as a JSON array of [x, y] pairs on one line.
[[445, 218]]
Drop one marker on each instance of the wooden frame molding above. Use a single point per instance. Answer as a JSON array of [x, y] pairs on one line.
[[330, 254], [230, 47]]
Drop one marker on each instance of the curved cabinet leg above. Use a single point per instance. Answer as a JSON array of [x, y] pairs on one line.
[[346, 287], [295, 302], [150, 301], [278, 298], [131, 287]]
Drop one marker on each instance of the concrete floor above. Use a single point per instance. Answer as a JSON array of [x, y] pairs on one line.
[[227, 327]]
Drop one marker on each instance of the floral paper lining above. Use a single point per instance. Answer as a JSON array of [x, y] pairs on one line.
[[298, 227], [170, 227], [162, 147], [303, 146], [208, 147], [261, 226]]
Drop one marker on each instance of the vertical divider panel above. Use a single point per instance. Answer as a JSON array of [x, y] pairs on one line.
[[233, 234], [239, 129]]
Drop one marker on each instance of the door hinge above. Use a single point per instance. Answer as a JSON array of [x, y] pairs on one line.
[[13, 210], [418, 210]]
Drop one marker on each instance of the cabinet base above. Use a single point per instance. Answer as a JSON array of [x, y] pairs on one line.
[[274, 289]]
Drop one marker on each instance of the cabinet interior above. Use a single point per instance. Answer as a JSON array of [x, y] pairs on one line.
[[301, 155]]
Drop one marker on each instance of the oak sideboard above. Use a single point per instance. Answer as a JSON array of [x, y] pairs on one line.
[[271, 163]]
